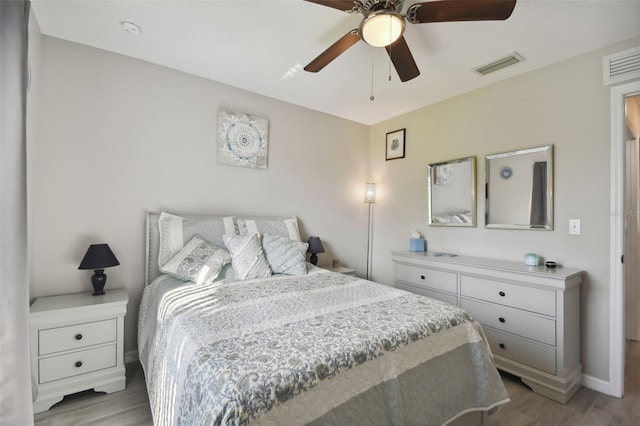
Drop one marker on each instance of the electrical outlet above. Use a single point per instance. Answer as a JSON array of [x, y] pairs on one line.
[[336, 263], [574, 226]]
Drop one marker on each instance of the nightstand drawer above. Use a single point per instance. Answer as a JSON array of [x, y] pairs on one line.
[[517, 296], [80, 362], [437, 280], [76, 336], [512, 320]]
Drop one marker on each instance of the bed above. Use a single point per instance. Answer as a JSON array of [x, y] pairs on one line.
[[316, 348]]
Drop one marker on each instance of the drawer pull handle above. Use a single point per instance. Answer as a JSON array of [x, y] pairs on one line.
[[501, 345], [78, 336], [502, 293], [422, 277], [501, 320], [79, 364]]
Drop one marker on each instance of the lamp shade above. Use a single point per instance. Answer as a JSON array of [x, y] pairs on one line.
[[315, 245], [98, 256], [369, 192]]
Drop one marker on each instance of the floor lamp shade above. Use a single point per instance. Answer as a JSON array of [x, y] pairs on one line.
[[98, 257], [369, 192]]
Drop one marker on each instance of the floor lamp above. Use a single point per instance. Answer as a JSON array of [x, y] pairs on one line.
[[369, 198]]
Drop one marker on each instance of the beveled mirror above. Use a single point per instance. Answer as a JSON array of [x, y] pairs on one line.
[[519, 189], [451, 192]]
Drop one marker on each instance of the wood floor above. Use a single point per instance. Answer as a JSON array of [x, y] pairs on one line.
[[587, 407]]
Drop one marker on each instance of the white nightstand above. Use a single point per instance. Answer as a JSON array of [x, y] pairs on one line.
[[340, 270], [77, 343]]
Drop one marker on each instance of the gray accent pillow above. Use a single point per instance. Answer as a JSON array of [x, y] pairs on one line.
[[248, 257], [198, 261], [285, 256], [176, 231]]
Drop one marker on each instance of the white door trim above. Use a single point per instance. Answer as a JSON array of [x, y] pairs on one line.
[[616, 288]]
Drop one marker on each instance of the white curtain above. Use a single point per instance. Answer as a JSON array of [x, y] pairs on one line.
[[15, 373]]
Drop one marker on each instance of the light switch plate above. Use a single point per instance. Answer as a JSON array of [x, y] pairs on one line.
[[574, 226]]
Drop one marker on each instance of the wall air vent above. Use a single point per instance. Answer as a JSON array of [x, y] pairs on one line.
[[509, 60], [621, 66]]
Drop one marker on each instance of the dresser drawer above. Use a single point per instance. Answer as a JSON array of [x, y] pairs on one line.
[[512, 320], [533, 354], [76, 336], [444, 297], [528, 298], [75, 363], [436, 280]]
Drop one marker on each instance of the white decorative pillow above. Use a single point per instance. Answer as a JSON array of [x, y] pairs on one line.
[[285, 256], [248, 257], [198, 261]]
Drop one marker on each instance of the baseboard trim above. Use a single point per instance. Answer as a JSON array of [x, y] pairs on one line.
[[131, 356], [596, 384]]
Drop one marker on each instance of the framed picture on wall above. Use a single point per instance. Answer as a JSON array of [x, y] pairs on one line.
[[242, 139], [395, 144]]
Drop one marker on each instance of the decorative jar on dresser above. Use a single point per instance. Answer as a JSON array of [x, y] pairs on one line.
[[530, 314], [77, 343]]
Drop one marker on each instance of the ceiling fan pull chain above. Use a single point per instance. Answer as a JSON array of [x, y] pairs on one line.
[[390, 49], [389, 64], [372, 98]]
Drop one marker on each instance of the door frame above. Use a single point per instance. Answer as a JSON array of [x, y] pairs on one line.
[[616, 214]]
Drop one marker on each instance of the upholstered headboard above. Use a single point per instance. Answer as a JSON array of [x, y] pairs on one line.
[[153, 235]]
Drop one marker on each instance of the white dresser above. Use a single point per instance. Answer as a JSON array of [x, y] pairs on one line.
[[530, 314], [77, 343]]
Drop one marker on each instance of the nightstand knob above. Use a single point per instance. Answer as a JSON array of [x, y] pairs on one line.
[[79, 364], [501, 320], [78, 336], [422, 277], [502, 293], [501, 345]]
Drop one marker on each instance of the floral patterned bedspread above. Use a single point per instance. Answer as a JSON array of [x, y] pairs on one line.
[[228, 353]]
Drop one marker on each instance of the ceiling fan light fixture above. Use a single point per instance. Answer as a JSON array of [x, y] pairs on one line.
[[382, 28]]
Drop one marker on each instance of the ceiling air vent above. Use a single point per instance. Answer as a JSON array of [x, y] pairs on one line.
[[509, 60], [621, 66]]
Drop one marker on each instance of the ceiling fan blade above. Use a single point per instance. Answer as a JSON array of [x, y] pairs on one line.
[[335, 50], [403, 60], [460, 10], [344, 5]]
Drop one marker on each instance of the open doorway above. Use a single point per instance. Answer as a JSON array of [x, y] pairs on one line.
[[632, 218], [632, 241], [617, 322]]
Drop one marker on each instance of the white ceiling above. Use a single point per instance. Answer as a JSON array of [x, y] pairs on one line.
[[262, 46]]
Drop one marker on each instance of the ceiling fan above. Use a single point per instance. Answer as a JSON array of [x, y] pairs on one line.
[[384, 24]]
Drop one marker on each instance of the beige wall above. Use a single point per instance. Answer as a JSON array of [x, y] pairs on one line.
[[119, 136], [33, 103], [565, 105]]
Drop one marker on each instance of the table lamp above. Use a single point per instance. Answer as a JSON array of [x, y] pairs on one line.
[[315, 246], [98, 257]]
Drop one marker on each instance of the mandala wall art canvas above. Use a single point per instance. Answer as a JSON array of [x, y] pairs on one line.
[[242, 139]]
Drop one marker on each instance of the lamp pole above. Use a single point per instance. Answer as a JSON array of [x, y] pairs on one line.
[[369, 244]]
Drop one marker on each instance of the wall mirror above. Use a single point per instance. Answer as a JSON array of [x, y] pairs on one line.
[[519, 189], [451, 192]]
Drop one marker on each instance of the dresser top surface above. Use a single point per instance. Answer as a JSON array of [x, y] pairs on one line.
[[559, 272]]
